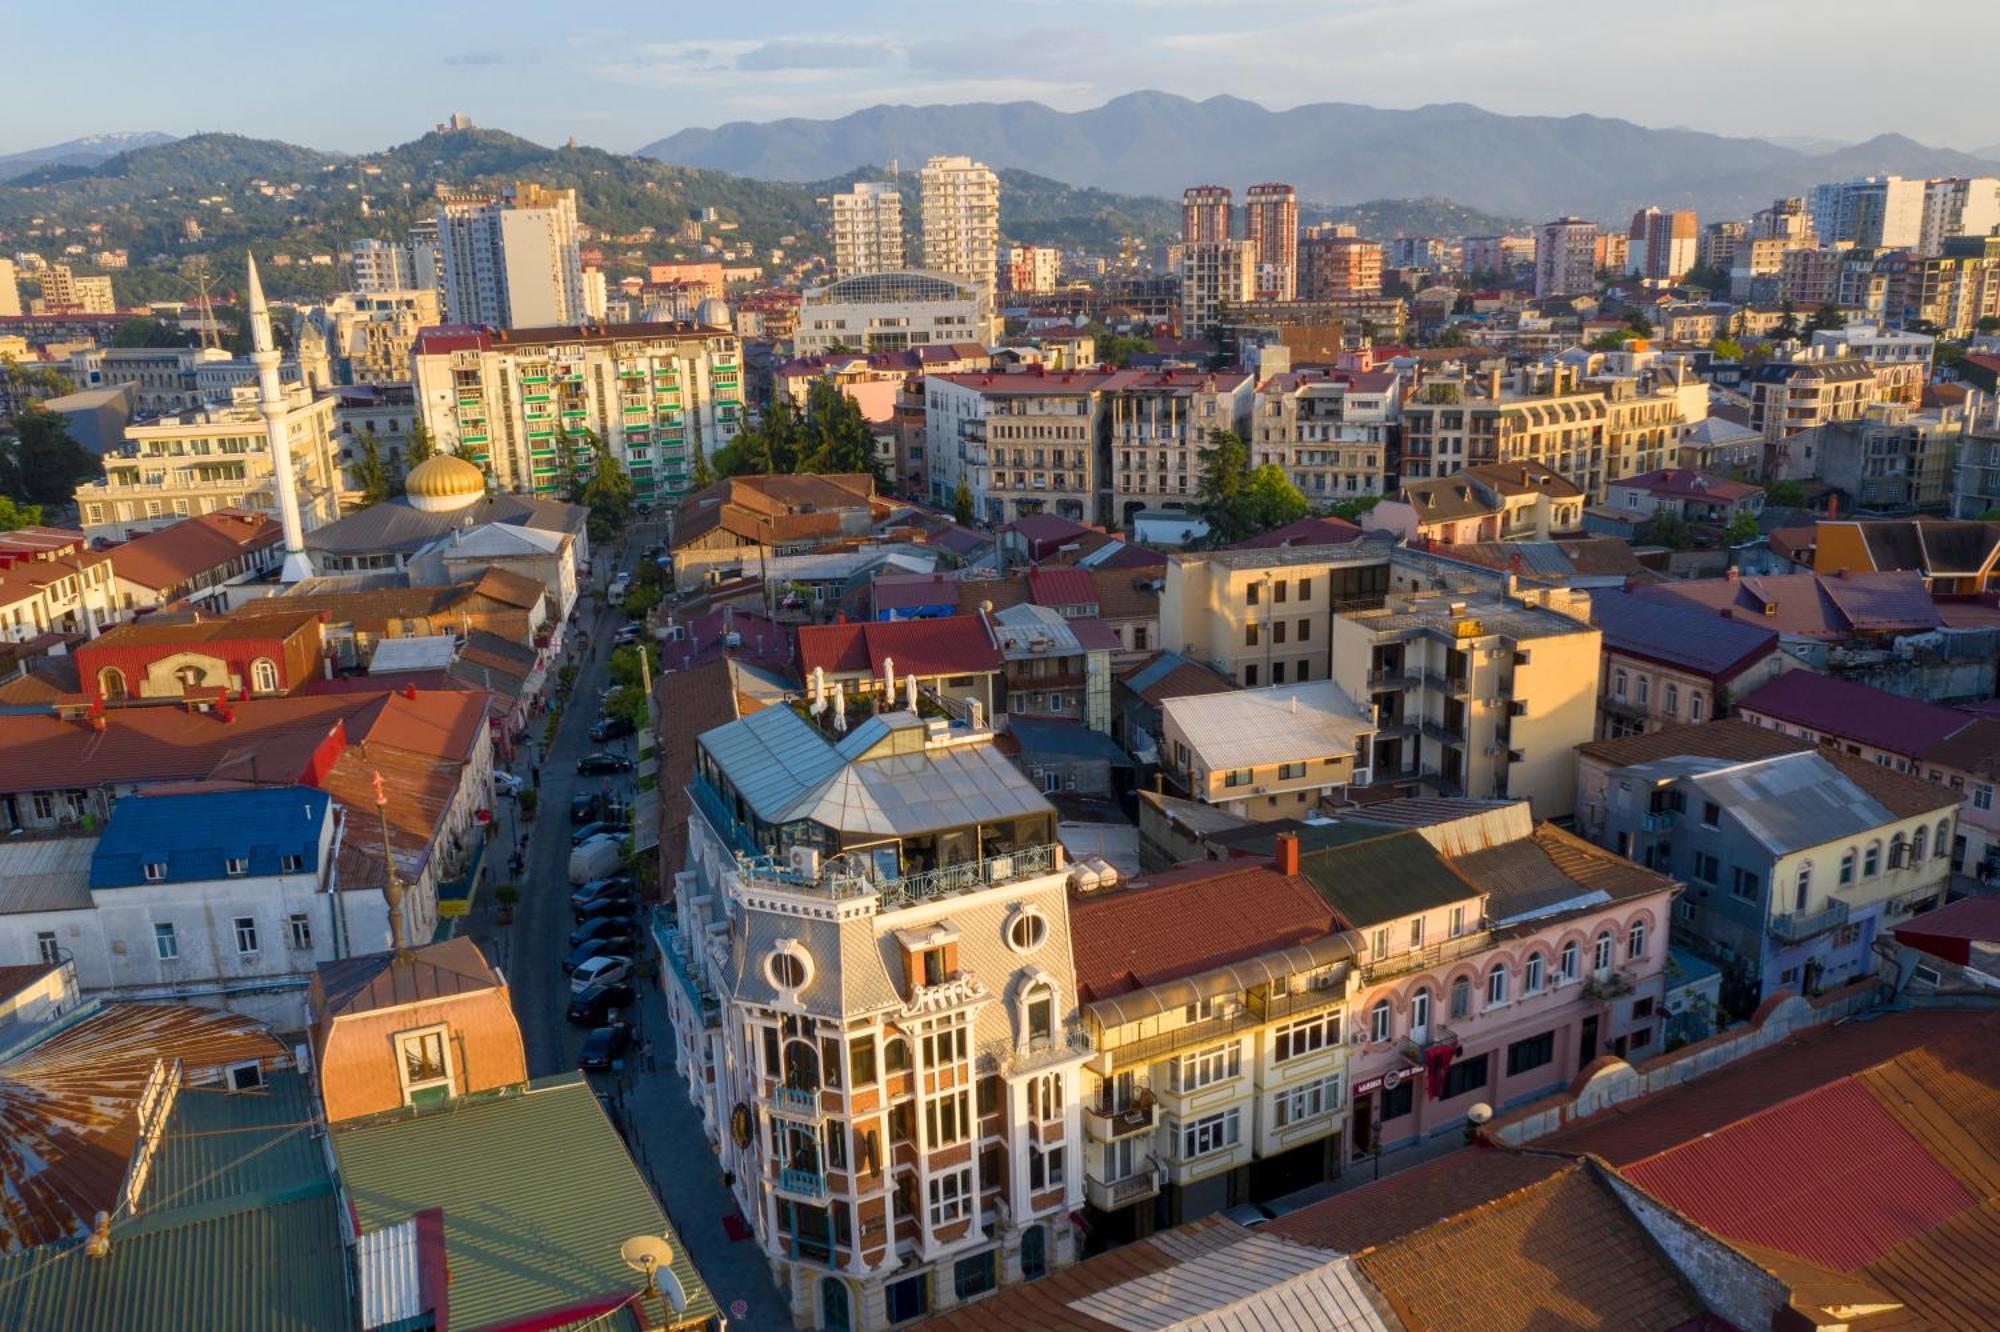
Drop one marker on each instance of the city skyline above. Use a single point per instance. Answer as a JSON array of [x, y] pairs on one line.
[[623, 88]]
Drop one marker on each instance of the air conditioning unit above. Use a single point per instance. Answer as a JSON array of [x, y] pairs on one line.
[[804, 860], [1000, 867]]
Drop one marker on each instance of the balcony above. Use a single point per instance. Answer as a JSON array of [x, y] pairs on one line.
[[1612, 983], [1135, 1187], [807, 1184], [797, 1103], [1796, 927], [667, 939], [1393, 677], [1445, 733], [1421, 959], [1657, 823], [1619, 707], [1005, 1056], [1106, 1125], [1454, 685], [1440, 1036]]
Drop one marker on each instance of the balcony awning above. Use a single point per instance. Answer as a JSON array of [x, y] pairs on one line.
[[1158, 1000]]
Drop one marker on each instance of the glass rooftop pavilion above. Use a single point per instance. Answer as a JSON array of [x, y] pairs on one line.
[[904, 807]]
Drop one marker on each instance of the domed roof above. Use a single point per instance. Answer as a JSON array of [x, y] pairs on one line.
[[444, 481], [714, 312]]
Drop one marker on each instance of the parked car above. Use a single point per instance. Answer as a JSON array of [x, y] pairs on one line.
[[621, 885], [605, 1044], [599, 971], [610, 945], [627, 636], [618, 902], [582, 808], [601, 927], [601, 763], [591, 1006], [506, 783], [589, 830], [596, 858], [611, 728]]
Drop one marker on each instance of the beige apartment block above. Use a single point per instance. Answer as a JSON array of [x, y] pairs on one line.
[[1265, 617], [1446, 427], [1159, 423], [867, 229], [1328, 430], [961, 214], [1269, 753], [1483, 696]]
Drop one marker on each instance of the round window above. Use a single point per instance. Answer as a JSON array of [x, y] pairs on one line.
[[1026, 931], [786, 970]]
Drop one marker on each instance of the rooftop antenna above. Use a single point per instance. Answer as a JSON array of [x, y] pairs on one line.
[[196, 270], [654, 1256], [392, 888]]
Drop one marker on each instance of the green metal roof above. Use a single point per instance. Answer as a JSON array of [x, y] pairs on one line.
[[538, 1193], [1384, 878], [238, 1228]]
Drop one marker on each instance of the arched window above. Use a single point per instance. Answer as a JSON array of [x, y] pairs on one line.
[[1496, 985], [1802, 892], [111, 683], [1618, 685], [835, 1313], [1420, 1015], [1919, 841], [1567, 966], [1635, 941], [1461, 998], [1871, 864], [264, 676], [1694, 707], [1673, 699], [190, 676], [1942, 845], [1378, 1021], [1600, 955], [1038, 1013], [1531, 975], [801, 1066], [1034, 1253], [1643, 683], [1899, 851], [1847, 866]]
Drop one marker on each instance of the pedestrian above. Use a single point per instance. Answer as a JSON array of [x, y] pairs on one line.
[[536, 771]]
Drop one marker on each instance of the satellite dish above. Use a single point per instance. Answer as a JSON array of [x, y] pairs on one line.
[[652, 1255]]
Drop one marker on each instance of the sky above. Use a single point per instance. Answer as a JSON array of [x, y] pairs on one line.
[[619, 74]]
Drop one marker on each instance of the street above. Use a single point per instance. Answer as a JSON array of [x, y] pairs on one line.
[[645, 1097]]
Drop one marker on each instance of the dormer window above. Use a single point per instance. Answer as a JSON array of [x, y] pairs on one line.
[[235, 867], [934, 968], [424, 1059], [154, 870], [291, 864]]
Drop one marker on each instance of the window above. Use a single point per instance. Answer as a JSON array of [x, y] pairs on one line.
[[951, 1195], [1496, 985], [1461, 998], [895, 1055], [973, 1275], [1027, 931], [908, 1299], [1420, 1015], [164, 944], [1899, 851], [1303, 1038], [945, 1045], [1457, 921], [1526, 1055], [235, 866], [246, 935], [1635, 941], [1305, 636], [1034, 1253], [1417, 932], [1707, 869], [1531, 975], [1380, 947], [1300, 1104], [426, 1064], [1566, 967], [1743, 884], [1673, 700], [1643, 683], [111, 683], [1210, 1133], [1941, 844], [1618, 685], [1206, 1067], [1982, 795], [1250, 676], [291, 864], [787, 971], [264, 676], [1694, 707], [1040, 1014], [1305, 589], [1711, 814], [1045, 1168], [1467, 1075], [154, 870], [1378, 1021], [1871, 864], [1397, 1101], [1250, 595], [46, 947], [1600, 953], [1847, 866], [1250, 634], [1918, 841], [903, 1122], [299, 926], [861, 1061]]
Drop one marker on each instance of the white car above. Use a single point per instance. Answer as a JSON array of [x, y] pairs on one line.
[[506, 783], [599, 971]]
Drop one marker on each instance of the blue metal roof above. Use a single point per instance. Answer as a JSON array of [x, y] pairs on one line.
[[1071, 739], [1677, 635], [194, 835]]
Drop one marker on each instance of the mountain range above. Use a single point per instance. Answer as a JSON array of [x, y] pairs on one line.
[[86, 151], [1334, 153]]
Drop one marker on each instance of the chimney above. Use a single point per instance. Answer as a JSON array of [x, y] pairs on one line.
[[1288, 853]]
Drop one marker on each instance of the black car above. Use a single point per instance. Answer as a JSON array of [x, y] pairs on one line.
[[609, 904], [589, 830], [611, 728], [605, 1044], [582, 808], [611, 945], [618, 885], [601, 763], [591, 1006], [600, 927]]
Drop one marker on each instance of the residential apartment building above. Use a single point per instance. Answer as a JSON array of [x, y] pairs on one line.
[[1334, 267], [512, 259], [886, 312], [1331, 431], [1214, 275], [1951, 292], [1976, 479], [369, 336], [1695, 497], [51, 584], [66, 292], [1215, 997], [876, 1012], [1205, 214], [867, 229], [161, 379], [1272, 753], [1958, 206], [1020, 443], [210, 458], [1662, 246], [1488, 502], [1223, 608], [1055, 668], [1563, 428], [1901, 360], [1271, 223], [961, 214], [1565, 257], [1874, 213], [1496, 256], [507, 399], [1811, 387], [10, 290], [1485, 696], [1892, 460], [1794, 862], [1157, 425], [377, 265], [1033, 268], [1673, 665]]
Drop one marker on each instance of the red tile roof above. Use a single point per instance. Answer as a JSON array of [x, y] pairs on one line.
[[173, 555], [1061, 586], [1304, 532], [1854, 712], [1685, 483], [1947, 931], [1187, 921], [953, 645], [1409, 1200]]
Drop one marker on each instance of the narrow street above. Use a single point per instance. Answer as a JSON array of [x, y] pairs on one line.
[[645, 1097]]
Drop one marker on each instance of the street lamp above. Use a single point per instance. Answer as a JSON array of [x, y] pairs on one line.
[[1476, 1118]]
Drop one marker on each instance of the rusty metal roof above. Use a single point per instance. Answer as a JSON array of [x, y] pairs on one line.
[[378, 980]]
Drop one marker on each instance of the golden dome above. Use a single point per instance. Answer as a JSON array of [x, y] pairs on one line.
[[444, 481]]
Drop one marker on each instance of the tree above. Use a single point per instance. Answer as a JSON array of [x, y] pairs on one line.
[[32, 384], [1989, 516], [1271, 500], [1615, 340], [1639, 324], [1451, 336], [1826, 317], [40, 463], [13, 516], [418, 445], [1225, 466], [961, 504], [701, 476], [1353, 510], [1706, 276], [1989, 324], [1788, 325], [608, 492], [370, 476], [1667, 529], [1726, 349], [1742, 528], [1786, 494]]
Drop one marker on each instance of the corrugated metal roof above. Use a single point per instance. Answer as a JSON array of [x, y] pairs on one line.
[[382, 980], [390, 1284], [1677, 634], [1854, 712], [50, 874], [1258, 727], [537, 1191], [194, 835], [1789, 802], [1384, 878], [1262, 1282]]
